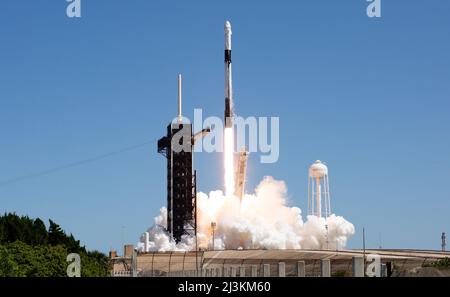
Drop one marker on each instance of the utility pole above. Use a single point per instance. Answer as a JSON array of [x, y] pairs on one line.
[[364, 247], [123, 237], [379, 240]]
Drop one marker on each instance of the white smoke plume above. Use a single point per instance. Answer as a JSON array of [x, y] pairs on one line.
[[262, 221]]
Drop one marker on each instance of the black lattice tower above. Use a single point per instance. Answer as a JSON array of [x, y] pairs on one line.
[[177, 148]]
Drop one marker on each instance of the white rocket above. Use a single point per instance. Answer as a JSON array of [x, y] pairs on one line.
[[228, 79]]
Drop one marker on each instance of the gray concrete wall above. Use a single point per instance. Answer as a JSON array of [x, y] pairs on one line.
[[358, 266]]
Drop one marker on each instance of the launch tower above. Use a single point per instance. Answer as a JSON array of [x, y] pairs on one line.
[[177, 147]]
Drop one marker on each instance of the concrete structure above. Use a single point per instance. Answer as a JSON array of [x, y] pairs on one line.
[[358, 266], [384, 270], [134, 263], [325, 268], [266, 262], [281, 269], [254, 271], [266, 270], [128, 250], [301, 269], [242, 271], [233, 271]]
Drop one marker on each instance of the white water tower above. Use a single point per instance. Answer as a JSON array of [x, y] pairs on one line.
[[318, 190]]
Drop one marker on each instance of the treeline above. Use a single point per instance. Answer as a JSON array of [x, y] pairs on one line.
[[27, 248]]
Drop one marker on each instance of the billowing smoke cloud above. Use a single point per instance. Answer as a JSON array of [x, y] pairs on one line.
[[261, 221]]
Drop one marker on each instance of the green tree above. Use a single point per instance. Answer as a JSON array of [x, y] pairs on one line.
[[28, 249], [40, 234]]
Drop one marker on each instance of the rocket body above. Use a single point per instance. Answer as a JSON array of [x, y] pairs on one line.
[[228, 78]]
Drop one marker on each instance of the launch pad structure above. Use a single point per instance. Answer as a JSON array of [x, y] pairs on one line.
[[181, 181], [177, 146]]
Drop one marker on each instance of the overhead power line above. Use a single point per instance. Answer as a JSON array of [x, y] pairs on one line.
[[73, 164]]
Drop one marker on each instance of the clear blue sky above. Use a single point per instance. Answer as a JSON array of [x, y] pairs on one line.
[[371, 97]]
